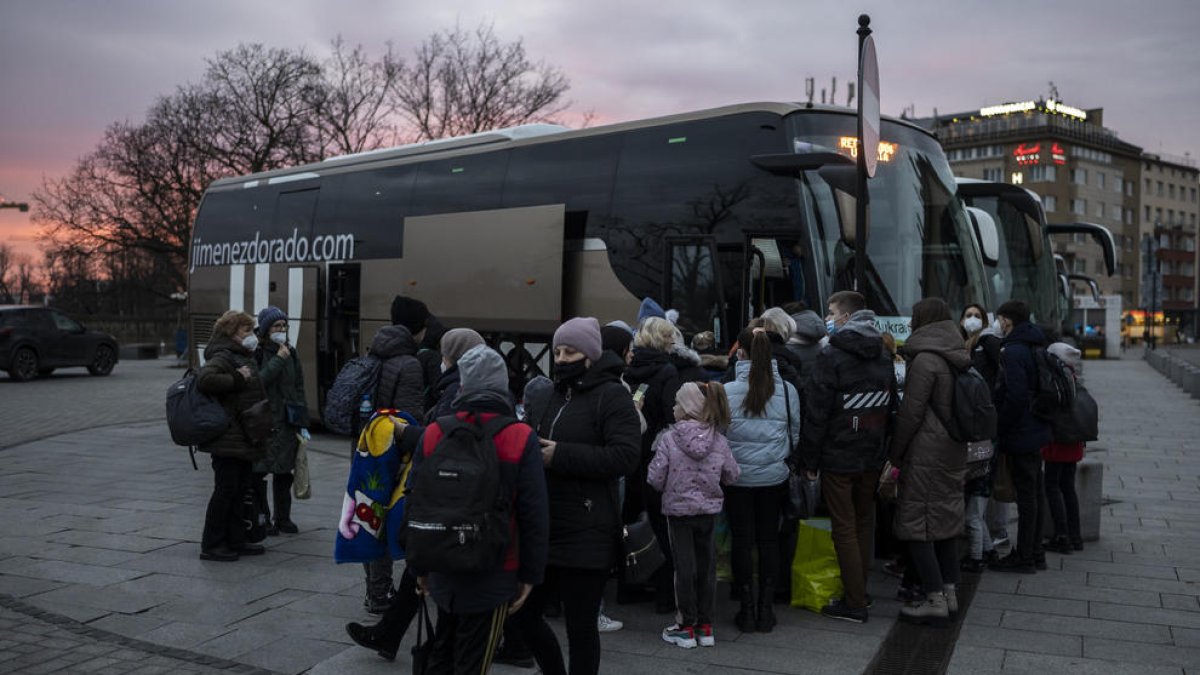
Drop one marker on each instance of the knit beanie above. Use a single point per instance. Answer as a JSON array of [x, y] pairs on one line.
[[481, 370], [457, 342], [410, 313], [581, 334], [615, 339], [267, 316], [622, 325], [648, 309]]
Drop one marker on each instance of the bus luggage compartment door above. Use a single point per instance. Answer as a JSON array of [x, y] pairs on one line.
[[497, 270]]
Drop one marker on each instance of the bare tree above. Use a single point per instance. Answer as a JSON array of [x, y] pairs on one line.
[[466, 82], [6, 273], [353, 107]]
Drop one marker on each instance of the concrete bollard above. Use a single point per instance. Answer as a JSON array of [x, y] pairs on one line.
[[1089, 483], [1175, 369], [1191, 381]]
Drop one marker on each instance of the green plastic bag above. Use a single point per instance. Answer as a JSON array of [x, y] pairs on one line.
[[816, 577]]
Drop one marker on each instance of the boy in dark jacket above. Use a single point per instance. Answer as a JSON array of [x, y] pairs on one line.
[[847, 405], [1021, 433], [472, 607]]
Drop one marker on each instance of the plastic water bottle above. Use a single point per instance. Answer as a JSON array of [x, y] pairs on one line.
[[365, 409]]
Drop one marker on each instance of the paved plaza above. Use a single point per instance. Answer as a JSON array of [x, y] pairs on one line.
[[100, 517]]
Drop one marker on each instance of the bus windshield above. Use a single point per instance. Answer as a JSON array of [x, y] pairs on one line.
[[920, 242]]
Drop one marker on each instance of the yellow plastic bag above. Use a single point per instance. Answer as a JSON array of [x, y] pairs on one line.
[[816, 577]]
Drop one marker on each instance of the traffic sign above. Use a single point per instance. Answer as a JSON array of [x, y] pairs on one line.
[[868, 104]]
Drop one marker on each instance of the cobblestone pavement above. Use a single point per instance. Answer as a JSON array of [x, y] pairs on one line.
[[99, 525], [70, 399]]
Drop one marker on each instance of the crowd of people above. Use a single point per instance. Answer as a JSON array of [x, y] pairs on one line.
[[636, 423]]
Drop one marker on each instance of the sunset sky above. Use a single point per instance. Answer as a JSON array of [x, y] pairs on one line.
[[68, 68]]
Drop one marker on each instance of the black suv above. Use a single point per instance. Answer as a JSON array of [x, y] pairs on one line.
[[36, 340]]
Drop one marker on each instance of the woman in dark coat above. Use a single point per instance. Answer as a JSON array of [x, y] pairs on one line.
[[932, 465], [588, 428], [280, 370], [230, 375], [652, 366]]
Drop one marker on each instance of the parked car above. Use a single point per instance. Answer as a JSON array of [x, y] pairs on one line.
[[36, 340]]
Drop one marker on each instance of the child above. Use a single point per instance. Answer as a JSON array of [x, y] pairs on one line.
[[1061, 459], [691, 461]]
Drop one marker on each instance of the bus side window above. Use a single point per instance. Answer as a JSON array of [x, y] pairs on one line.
[[694, 285]]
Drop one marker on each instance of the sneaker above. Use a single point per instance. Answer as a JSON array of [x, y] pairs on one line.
[[704, 635], [604, 624], [1000, 540], [367, 636], [511, 657], [838, 609], [680, 636], [951, 593], [1013, 563], [379, 604], [932, 611]]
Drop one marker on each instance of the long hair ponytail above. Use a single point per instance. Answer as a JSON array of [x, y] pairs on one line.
[[762, 379], [716, 405]]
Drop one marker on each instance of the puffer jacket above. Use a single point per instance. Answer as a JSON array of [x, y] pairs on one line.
[[929, 501], [595, 427], [401, 377], [786, 360], [654, 368], [762, 445], [848, 401], [284, 381], [220, 379], [443, 392], [691, 462], [805, 344], [1020, 431], [687, 365]]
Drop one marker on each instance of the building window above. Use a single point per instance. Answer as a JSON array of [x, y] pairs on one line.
[[1041, 173], [1128, 188], [1079, 238], [1158, 216], [1099, 210], [1147, 216], [1079, 207], [1079, 176], [1170, 216], [1148, 184], [1171, 191], [994, 175], [1080, 266], [1193, 195], [1100, 180], [1160, 188], [1128, 217], [1049, 203]]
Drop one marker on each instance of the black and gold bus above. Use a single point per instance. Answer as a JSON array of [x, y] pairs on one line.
[[717, 213]]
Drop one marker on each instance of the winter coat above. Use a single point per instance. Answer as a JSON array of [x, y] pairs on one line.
[[1020, 431], [284, 381], [691, 462], [443, 391], [220, 379], [521, 475], [401, 382], [786, 360], [848, 401], [687, 366], [652, 367], [929, 501], [805, 344], [986, 355], [762, 445], [595, 426]]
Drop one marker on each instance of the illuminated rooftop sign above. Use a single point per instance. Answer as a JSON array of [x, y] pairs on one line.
[[1051, 106]]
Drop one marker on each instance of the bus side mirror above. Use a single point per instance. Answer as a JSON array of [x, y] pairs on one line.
[[986, 235]]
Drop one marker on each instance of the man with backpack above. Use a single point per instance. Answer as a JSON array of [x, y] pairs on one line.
[[1021, 433], [848, 400], [477, 519]]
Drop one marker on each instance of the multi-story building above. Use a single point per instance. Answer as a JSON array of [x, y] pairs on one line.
[[1081, 170], [1169, 212]]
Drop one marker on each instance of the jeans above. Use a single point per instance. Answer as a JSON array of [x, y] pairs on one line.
[[979, 539], [1062, 500], [1029, 484], [754, 523], [936, 563], [851, 501], [581, 591], [694, 543], [223, 525]]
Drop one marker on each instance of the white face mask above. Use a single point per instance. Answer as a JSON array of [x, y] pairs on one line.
[[279, 338], [250, 342], [972, 324]]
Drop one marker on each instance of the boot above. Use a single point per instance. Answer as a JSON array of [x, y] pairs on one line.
[[932, 611], [281, 487], [746, 618], [951, 593], [373, 637], [765, 622]]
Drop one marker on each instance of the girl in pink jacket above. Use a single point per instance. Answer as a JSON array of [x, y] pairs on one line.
[[691, 461]]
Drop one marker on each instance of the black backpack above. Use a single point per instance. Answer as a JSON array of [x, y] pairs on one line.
[[974, 414], [457, 516], [193, 417], [358, 376], [1055, 391]]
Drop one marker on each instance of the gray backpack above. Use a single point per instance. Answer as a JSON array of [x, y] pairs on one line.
[[359, 376], [193, 417]]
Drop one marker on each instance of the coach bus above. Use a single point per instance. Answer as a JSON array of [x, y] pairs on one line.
[[1026, 267], [717, 213]]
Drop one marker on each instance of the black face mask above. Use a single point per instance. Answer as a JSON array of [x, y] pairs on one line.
[[567, 374]]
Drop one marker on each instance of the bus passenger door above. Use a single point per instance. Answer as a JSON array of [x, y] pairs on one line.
[[339, 339], [301, 301], [774, 274], [693, 286]]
